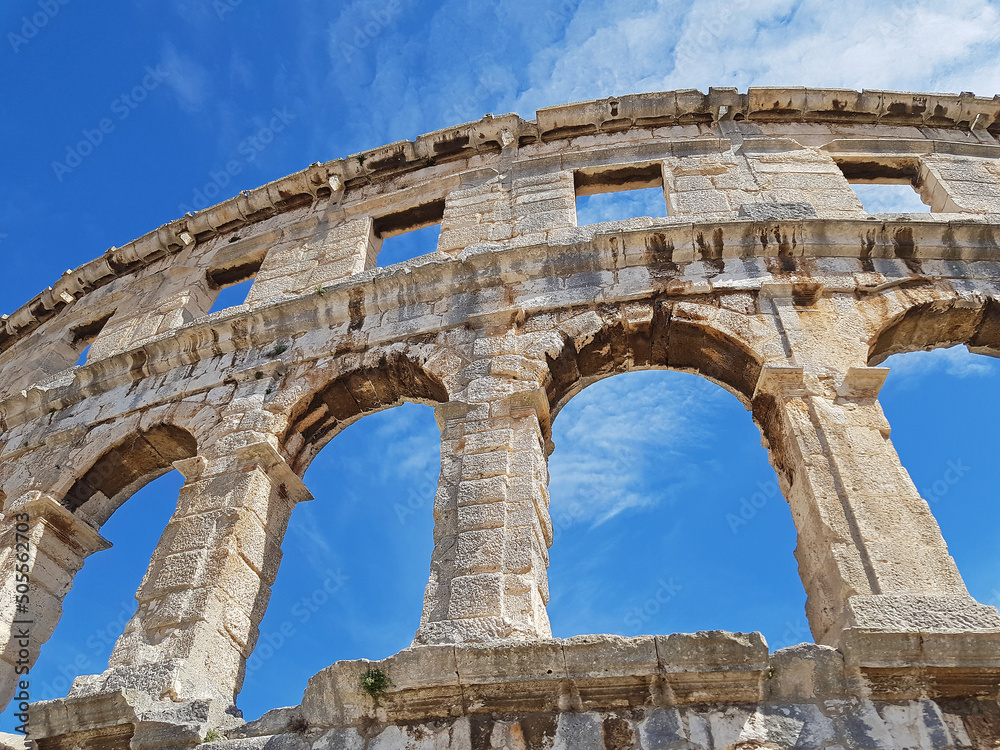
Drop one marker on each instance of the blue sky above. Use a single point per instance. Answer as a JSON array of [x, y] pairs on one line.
[[121, 116]]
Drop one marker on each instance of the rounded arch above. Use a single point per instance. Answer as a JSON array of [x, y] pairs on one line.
[[125, 467], [937, 319], [380, 380], [722, 346]]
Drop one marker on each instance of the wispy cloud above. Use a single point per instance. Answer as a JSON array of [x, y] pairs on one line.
[[864, 44], [620, 444], [188, 79], [402, 70], [956, 361], [880, 199]]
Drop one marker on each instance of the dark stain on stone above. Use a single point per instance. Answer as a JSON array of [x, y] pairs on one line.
[[539, 731], [717, 242], [356, 309], [618, 735], [903, 245], [660, 247], [480, 730]]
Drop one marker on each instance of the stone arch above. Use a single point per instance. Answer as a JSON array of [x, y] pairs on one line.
[[126, 467], [720, 345], [932, 319], [378, 381]]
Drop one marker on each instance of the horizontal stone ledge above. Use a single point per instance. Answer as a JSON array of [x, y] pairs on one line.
[[604, 672], [580, 673], [608, 248], [905, 666]]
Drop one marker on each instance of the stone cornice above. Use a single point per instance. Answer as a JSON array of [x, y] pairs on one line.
[[612, 247], [962, 112]]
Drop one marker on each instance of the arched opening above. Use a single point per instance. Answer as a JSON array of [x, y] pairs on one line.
[[116, 474], [667, 515], [388, 381], [943, 406], [681, 523], [941, 401], [125, 468], [102, 599], [355, 560]]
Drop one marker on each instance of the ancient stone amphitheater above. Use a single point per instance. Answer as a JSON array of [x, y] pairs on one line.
[[767, 277]]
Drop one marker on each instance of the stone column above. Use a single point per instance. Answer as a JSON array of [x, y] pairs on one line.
[[870, 553], [208, 582], [335, 249], [51, 545], [491, 522]]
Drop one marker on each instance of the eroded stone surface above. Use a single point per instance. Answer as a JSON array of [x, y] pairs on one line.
[[766, 277]]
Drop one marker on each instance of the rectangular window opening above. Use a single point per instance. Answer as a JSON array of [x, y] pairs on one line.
[[82, 336], [233, 282], [887, 186], [619, 193], [232, 295], [408, 234]]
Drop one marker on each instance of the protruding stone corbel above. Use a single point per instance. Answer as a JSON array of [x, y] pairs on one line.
[[73, 531], [499, 320], [523, 403], [443, 413], [781, 379], [191, 468], [271, 463], [862, 382]]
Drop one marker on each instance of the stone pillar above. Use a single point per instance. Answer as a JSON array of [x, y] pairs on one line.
[[335, 249], [480, 212], [491, 523], [542, 199], [162, 300], [870, 553], [51, 545], [208, 582]]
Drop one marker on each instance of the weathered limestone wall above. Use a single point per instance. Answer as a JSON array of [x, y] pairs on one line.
[[766, 277]]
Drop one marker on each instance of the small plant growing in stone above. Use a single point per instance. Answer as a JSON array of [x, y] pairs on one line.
[[213, 736], [320, 290], [375, 682], [234, 238], [258, 375], [279, 349]]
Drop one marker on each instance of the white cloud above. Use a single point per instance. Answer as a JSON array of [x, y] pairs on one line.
[[621, 443], [956, 361], [188, 79], [863, 44], [880, 199]]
